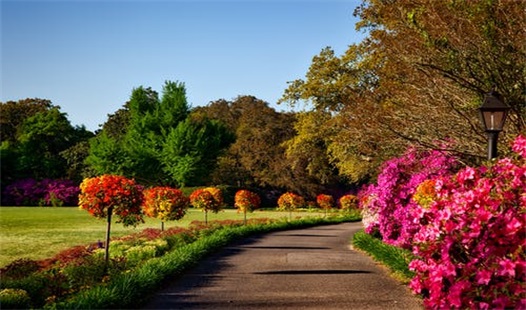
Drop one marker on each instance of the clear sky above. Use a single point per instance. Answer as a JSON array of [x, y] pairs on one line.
[[87, 56]]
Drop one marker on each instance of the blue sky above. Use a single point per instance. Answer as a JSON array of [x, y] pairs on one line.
[[87, 56]]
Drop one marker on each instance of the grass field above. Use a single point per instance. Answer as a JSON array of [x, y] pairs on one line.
[[41, 232]]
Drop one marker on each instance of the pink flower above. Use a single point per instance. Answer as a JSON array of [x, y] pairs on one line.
[[483, 277], [519, 146], [506, 268]]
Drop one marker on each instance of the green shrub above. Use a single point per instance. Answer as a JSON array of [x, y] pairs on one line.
[[12, 298]]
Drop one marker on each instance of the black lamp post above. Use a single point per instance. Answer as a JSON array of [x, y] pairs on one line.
[[493, 113]]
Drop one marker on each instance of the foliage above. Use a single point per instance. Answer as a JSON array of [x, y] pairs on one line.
[[206, 199], [470, 245], [247, 201], [423, 63], [165, 203], [290, 201], [348, 202], [325, 201], [191, 149], [35, 134], [158, 141], [112, 194], [387, 205], [47, 192], [257, 158]]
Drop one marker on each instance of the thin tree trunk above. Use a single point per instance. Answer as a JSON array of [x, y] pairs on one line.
[[162, 225], [107, 245], [245, 217]]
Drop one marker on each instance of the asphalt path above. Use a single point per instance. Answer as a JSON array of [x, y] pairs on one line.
[[312, 268]]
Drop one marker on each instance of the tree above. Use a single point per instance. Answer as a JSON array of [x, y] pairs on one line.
[[418, 77], [14, 113], [246, 201], [107, 195], [158, 141], [36, 137], [190, 150], [289, 202], [207, 199], [165, 203]]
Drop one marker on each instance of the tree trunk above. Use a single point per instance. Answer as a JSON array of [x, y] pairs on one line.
[[107, 245]]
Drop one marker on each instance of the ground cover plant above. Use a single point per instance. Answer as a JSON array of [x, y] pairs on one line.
[[467, 236], [139, 263]]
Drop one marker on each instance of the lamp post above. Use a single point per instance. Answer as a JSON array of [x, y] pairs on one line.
[[493, 113]]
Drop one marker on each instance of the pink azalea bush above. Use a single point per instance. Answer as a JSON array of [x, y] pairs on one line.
[[387, 205], [471, 243]]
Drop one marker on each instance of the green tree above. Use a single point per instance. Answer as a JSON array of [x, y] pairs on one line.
[[158, 141], [191, 149]]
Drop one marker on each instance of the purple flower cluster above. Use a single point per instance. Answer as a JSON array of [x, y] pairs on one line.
[[47, 192]]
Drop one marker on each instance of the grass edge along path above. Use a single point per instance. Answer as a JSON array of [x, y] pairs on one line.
[[395, 259], [134, 288]]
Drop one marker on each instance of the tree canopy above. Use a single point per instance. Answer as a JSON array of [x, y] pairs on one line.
[[418, 77]]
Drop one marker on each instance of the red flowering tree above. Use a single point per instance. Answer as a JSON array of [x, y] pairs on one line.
[[106, 195], [348, 202], [290, 202], [165, 203], [326, 202], [246, 201], [207, 199]]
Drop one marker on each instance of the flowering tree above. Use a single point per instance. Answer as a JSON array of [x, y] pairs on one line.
[[246, 200], [326, 202], [290, 202], [165, 203], [348, 202], [106, 195], [471, 245], [207, 199]]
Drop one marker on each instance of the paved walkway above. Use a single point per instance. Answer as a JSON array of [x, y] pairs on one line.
[[311, 268]]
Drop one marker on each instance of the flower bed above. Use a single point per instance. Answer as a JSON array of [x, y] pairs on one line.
[[466, 231]]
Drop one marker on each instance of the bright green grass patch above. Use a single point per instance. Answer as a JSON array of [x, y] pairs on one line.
[[396, 259], [41, 232]]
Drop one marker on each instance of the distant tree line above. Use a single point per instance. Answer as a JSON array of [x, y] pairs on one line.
[[158, 140]]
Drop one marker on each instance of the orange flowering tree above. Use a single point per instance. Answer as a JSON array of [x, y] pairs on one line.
[[165, 203], [106, 195], [246, 201], [208, 199], [348, 202], [290, 202], [326, 202]]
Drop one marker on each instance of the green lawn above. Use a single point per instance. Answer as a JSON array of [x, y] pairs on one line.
[[41, 232]]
